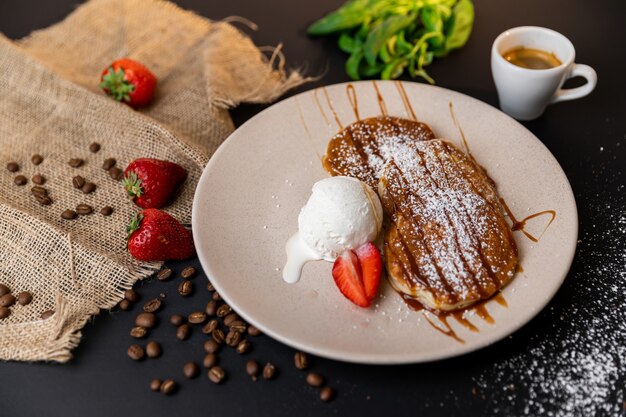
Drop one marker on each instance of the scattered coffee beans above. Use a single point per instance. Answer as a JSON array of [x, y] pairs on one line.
[[7, 300], [183, 331], [125, 305], [75, 162], [327, 394], [253, 331], [253, 369], [233, 338], [106, 210], [210, 287], [211, 346], [188, 272], [13, 167], [84, 209], [152, 306], [269, 371], [155, 385], [177, 319], [138, 332], [210, 360], [95, 147], [20, 180], [164, 274], [68, 214], [4, 312], [223, 310], [211, 308], [218, 335], [4, 290], [136, 352], [216, 296], [216, 374], [88, 188], [229, 319], [191, 370], [168, 387], [44, 200], [36, 159], [108, 164], [78, 182], [238, 326], [24, 298], [147, 320], [47, 314], [131, 295], [314, 379], [38, 179], [153, 349], [116, 173], [209, 327], [185, 288], [301, 360], [243, 347], [197, 317]]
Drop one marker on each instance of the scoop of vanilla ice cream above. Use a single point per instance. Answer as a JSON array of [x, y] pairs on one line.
[[342, 213]]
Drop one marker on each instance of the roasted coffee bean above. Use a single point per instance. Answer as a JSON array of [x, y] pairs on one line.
[[153, 349], [125, 305], [185, 288], [238, 326], [177, 319], [4, 312], [136, 352], [210, 360], [7, 300], [69, 214], [78, 182], [84, 209], [24, 298], [147, 320], [94, 147], [38, 179], [38, 190], [155, 385], [301, 360], [233, 338], [209, 327], [327, 394], [253, 369], [44, 200], [164, 274], [229, 319], [108, 164], [216, 296], [36, 159], [138, 332], [88, 188], [106, 210], [188, 272], [191, 370], [131, 295], [20, 180], [168, 387], [218, 335], [269, 371], [253, 331], [314, 379], [211, 346], [223, 310], [210, 287], [211, 308], [152, 306], [116, 173], [216, 374], [13, 167], [47, 314], [197, 317], [183, 331], [75, 162], [4, 290], [243, 346]]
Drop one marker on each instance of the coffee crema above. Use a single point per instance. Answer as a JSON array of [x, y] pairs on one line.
[[531, 58]]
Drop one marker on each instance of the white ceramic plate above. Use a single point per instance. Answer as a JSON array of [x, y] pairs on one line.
[[249, 196]]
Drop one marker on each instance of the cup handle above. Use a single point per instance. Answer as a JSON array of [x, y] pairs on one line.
[[579, 70]]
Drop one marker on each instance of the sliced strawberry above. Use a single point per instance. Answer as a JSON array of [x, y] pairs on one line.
[[349, 278], [372, 267]]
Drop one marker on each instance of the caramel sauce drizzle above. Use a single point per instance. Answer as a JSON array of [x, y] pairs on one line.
[[306, 128], [518, 225], [381, 100], [351, 92], [319, 106], [447, 330], [458, 126], [405, 99], [332, 109]]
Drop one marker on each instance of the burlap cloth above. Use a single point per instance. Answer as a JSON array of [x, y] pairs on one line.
[[50, 104]]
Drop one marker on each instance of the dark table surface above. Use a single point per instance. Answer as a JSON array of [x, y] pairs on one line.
[[569, 360]]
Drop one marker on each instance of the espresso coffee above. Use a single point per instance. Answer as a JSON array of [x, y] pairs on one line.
[[531, 58]]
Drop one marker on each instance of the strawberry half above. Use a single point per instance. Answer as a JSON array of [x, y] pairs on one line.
[[151, 182], [154, 235], [357, 274]]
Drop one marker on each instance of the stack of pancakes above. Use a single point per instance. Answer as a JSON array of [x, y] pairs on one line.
[[447, 244]]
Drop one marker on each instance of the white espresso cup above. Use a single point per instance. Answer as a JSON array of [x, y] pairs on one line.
[[525, 93]]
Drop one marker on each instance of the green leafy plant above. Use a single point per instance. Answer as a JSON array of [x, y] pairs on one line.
[[388, 37]]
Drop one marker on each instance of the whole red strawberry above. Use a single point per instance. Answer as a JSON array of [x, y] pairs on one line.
[[129, 81], [151, 182], [154, 235]]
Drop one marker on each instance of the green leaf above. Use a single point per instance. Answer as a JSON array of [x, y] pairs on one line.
[[381, 32], [459, 26], [433, 22], [394, 69], [353, 63], [347, 43], [370, 71], [385, 55], [348, 16]]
